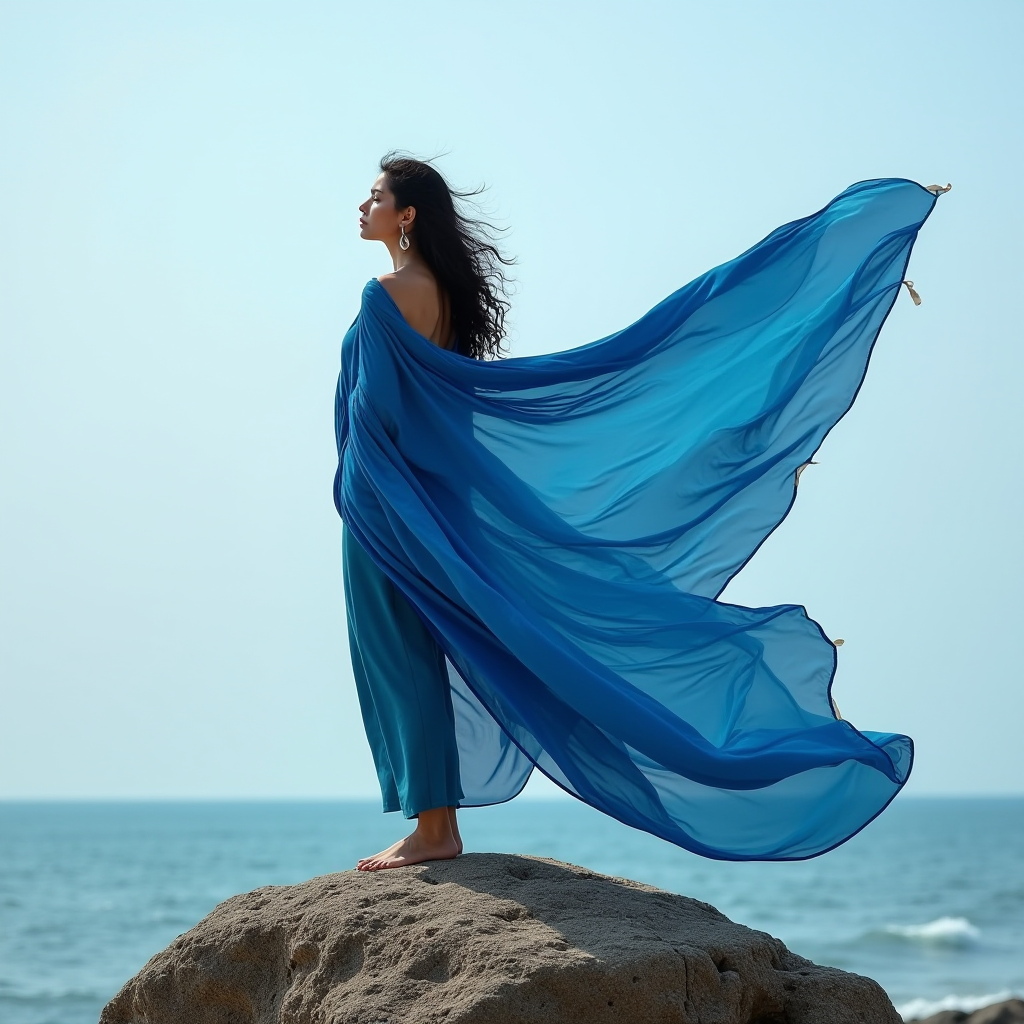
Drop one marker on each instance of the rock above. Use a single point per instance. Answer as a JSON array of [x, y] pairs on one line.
[[484, 939], [1009, 1012]]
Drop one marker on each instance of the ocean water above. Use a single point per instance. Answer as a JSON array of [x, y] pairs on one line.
[[928, 900]]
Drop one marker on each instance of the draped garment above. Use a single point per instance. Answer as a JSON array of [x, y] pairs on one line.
[[564, 524]]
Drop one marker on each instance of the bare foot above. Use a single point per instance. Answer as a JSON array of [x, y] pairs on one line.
[[432, 840], [413, 849]]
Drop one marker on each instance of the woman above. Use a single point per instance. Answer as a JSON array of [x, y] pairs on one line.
[[535, 547], [444, 284]]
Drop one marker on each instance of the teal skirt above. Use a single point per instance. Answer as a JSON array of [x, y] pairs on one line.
[[404, 694]]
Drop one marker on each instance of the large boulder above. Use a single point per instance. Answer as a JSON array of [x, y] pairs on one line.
[[484, 939]]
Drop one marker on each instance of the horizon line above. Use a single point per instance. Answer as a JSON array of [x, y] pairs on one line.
[[522, 798]]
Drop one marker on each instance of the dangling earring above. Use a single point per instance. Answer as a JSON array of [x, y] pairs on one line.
[[403, 242]]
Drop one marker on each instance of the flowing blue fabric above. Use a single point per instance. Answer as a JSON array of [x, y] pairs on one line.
[[564, 524]]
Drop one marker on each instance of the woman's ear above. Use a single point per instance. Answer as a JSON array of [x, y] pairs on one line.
[[408, 216]]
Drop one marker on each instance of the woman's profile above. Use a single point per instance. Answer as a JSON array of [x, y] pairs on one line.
[[535, 547]]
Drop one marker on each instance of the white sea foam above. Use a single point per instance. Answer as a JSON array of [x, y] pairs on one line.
[[944, 931], [918, 1009]]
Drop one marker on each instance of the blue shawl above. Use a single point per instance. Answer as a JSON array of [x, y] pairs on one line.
[[564, 524]]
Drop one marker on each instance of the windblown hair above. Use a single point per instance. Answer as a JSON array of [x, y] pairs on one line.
[[459, 252]]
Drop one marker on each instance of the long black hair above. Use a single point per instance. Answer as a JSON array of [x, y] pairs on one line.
[[458, 250]]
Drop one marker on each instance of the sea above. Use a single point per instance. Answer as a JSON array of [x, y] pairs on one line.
[[928, 899]]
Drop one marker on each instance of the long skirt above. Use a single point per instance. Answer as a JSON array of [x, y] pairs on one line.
[[404, 693]]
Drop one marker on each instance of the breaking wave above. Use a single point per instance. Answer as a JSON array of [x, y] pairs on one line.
[[943, 931]]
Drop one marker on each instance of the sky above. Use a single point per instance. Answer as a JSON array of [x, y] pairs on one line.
[[179, 259]]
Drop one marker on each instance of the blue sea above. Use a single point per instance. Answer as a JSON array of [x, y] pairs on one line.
[[928, 900]]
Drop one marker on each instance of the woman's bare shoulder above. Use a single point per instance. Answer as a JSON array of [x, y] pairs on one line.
[[416, 297], [409, 287]]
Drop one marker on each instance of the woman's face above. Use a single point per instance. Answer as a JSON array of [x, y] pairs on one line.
[[379, 220]]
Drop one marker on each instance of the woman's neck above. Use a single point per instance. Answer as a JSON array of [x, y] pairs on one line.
[[403, 257]]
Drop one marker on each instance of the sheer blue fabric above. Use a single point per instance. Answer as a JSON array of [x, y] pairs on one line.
[[564, 524]]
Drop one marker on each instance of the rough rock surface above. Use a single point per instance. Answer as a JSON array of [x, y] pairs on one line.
[[484, 939], [1009, 1012]]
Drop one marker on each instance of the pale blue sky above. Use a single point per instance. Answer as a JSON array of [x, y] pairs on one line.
[[179, 260]]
